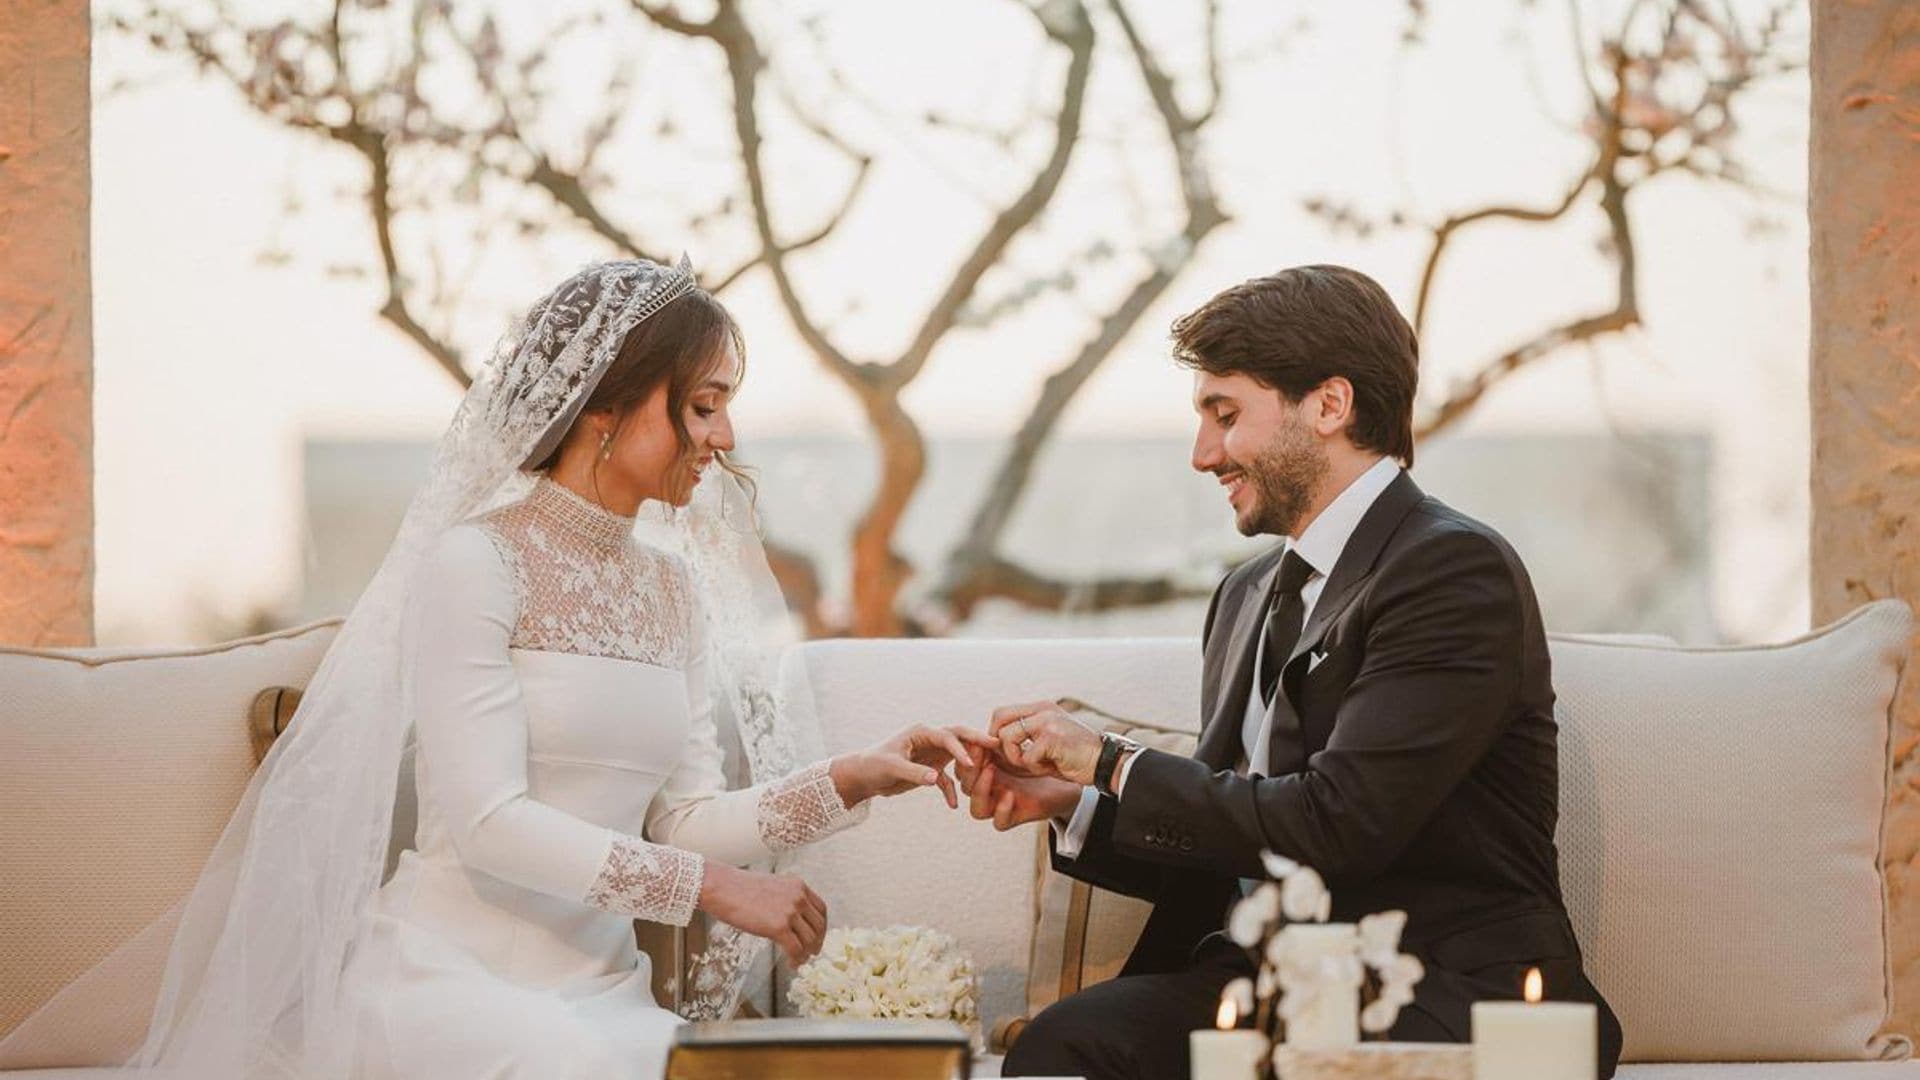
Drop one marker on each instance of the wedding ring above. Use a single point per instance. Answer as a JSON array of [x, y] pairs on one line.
[[1026, 746]]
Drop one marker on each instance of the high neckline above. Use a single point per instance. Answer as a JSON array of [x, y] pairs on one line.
[[569, 510]]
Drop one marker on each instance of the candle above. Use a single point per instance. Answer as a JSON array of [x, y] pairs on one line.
[[1333, 1020], [1534, 1040], [1227, 1053]]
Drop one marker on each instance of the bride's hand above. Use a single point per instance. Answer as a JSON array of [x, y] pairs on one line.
[[779, 908], [916, 757]]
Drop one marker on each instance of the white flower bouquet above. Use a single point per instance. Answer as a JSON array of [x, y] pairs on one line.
[[901, 972]]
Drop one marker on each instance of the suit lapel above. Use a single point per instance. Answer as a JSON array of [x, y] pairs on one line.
[[1285, 745], [1356, 562]]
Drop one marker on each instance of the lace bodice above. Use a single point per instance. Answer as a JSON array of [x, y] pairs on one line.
[[587, 766], [586, 586]]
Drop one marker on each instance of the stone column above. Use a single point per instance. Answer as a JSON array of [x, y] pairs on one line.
[[46, 325], [1864, 210]]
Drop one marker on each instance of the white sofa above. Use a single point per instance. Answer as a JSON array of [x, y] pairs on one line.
[[1720, 825], [1721, 816]]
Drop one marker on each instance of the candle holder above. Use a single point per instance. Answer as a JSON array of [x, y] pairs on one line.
[[1376, 1061]]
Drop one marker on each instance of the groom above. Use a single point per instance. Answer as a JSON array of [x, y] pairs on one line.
[[1376, 701]]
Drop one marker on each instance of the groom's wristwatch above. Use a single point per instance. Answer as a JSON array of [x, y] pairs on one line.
[[1111, 747]]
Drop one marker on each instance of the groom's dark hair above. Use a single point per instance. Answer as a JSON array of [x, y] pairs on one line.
[[1298, 328]]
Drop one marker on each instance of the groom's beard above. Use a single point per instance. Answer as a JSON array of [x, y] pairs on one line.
[[1283, 478]]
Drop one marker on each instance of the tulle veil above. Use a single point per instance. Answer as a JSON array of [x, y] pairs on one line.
[[253, 956]]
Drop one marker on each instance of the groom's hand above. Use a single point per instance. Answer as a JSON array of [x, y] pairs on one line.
[[1042, 740], [1009, 799]]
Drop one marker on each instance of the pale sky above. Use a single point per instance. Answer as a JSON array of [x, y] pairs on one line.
[[211, 367]]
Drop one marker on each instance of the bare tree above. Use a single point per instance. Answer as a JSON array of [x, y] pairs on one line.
[[372, 76], [1662, 87], [305, 76]]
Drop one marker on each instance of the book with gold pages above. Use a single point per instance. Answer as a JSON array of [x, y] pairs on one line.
[[795, 1049]]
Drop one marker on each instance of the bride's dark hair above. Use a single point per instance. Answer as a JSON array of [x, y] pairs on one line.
[[679, 345]]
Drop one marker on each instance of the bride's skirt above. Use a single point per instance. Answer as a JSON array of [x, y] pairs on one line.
[[429, 1010]]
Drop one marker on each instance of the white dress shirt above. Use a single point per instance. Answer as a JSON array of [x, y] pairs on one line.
[[1320, 545]]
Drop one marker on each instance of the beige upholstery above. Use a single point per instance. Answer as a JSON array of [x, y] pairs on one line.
[[1720, 816], [118, 770], [1720, 819]]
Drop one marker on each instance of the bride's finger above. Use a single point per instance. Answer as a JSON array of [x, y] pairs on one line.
[[911, 771], [946, 790], [949, 742], [811, 924]]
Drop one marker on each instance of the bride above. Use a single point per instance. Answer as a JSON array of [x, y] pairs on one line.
[[561, 679]]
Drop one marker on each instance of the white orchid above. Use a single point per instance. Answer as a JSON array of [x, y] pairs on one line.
[[1252, 915], [1304, 896], [1402, 970], [1378, 1016], [1297, 970], [1278, 866], [1380, 937]]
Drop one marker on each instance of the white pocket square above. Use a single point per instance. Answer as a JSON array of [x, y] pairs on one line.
[[1313, 661]]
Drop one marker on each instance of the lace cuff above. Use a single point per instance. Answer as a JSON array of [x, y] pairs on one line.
[[802, 808], [648, 881]]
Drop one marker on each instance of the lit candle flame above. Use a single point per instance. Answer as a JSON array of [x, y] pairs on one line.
[[1229, 1016], [1534, 986]]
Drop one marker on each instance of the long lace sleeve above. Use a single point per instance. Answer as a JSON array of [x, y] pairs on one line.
[[694, 809], [472, 730]]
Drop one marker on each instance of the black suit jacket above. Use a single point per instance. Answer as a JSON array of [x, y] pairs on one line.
[[1412, 761]]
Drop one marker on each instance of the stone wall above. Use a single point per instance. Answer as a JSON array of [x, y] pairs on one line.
[[1864, 210], [46, 326]]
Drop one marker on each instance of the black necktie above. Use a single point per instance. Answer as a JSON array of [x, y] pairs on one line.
[[1284, 618]]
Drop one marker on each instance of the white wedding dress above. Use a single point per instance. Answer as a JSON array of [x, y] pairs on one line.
[[570, 781]]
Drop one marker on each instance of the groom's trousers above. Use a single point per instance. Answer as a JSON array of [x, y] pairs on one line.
[[1135, 1027]]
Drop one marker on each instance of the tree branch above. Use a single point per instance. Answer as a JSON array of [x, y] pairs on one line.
[[1445, 231], [975, 554], [998, 578], [1078, 38], [825, 230], [373, 146], [1625, 311]]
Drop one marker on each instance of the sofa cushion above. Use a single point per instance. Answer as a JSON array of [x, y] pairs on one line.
[[118, 770], [1719, 838]]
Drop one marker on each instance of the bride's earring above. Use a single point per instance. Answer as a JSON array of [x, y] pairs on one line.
[[606, 446]]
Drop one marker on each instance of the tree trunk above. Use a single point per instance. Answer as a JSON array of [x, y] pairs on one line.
[[879, 572], [1865, 268], [46, 326]]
